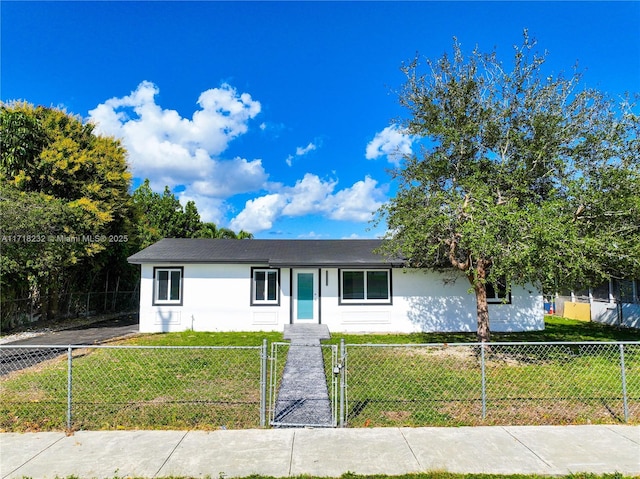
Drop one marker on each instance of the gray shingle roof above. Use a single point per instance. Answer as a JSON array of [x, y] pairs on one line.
[[275, 253]]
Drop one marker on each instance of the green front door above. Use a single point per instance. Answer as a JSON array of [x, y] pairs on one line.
[[305, 298]]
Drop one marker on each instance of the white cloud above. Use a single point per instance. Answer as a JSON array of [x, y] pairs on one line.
[[357, 203], [259, 213], [289, 160], [311, 196], [227, 178], [172, 150], [312, 235], [390, 142], [136, 118], [301, 151]]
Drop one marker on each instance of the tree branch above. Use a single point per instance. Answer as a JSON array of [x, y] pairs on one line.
[[455, 262]]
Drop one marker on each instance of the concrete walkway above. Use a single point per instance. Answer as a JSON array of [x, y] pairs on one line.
[[303, 397], [544, 450]]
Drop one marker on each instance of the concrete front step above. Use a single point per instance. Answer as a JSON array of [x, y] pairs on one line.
[[306, 333]]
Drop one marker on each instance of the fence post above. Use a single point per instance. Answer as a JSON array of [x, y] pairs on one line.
[[69, 386], [263, 384], [484, 382], [623, 376], [343, 381]]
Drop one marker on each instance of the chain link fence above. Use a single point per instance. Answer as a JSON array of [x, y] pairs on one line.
[[498, 383], [303, 385], [21, 312], [154, 387], [131, 387]]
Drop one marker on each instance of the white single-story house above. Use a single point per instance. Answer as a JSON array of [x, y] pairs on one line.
[[262, 285]]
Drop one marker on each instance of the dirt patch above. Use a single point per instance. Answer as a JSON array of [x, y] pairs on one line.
[[464, 355], [398, 416]]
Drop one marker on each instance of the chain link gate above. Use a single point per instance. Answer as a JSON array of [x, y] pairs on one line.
[[304, 385]]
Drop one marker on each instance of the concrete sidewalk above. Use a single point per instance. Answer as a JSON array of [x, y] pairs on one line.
[[548, 450]]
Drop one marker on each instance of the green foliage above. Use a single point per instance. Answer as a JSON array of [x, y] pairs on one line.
[[159, 216], [64, 159], [22, 139], [64, 194], [27, 222], [522, 176], [162, 216]]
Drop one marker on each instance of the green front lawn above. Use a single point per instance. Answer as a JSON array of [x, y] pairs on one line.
[[400, 385], [556, 329]]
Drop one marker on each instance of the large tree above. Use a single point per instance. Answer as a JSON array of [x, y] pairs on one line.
[[66, 208], [523, 176]]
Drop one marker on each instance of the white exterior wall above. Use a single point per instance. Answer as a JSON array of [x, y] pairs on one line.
[[614, 314], [217, 298], [429, 302], [214, 298]]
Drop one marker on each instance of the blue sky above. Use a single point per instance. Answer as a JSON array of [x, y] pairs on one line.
[[274, 116]]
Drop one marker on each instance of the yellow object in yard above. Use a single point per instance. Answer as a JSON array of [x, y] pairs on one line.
[[579, 311]]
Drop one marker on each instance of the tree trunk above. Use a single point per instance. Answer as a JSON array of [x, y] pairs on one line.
[[482, 309]]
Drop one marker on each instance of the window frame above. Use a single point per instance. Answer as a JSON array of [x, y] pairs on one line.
[[156, 282], [365, 300], [265, 302], [500, 294], [633, 293]]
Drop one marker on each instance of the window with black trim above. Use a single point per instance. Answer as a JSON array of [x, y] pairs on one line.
[[167, 285], [498, 293], [365, 286], [626, 291], [265, 286]]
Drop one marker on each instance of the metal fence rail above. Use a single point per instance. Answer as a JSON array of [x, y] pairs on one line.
[[498, 383], [134, 387], [19, 312], [131, 387]]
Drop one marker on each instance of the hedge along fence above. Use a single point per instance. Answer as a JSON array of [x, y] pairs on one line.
[[206, 387]]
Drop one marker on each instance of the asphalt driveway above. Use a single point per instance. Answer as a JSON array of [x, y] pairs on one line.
[[15, 357]]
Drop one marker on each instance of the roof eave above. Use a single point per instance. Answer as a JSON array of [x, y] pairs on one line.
[[272, 264], [191, 261]]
